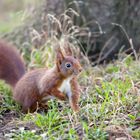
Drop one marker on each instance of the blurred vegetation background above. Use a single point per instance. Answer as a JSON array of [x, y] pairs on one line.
[[109, 24]]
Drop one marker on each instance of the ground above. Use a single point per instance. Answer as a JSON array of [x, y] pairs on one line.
[[109, 107]]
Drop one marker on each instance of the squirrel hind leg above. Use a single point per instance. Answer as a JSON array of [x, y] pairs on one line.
[[30, 104], [36, 107], [30, 109]]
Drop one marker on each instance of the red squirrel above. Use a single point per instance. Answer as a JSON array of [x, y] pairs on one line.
[[34, 88]]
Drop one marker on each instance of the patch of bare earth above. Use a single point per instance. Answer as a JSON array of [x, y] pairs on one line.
[[118, 133]]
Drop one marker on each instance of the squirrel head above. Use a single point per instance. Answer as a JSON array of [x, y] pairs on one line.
[[67, 64]]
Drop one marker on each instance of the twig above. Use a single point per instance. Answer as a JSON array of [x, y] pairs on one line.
[[132, 47]]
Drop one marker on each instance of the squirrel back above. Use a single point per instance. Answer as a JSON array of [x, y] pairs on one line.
[[33, 89], [36, 87], [12, 67]]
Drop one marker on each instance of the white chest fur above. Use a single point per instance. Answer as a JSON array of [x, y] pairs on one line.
[[66, 87]]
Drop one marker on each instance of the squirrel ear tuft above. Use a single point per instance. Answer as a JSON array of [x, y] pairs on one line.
[[59, 55], [68, 51], [67, 48]]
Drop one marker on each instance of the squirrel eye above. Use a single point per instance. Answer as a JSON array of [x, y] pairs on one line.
[[68, 65]]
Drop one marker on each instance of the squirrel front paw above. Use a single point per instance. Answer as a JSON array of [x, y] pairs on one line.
[[75, 107], [63, 97]]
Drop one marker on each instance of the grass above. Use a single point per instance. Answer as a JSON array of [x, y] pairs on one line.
[[6, 103], [109, 98]]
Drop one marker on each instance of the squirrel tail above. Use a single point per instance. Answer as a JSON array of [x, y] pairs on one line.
[[12, 66]]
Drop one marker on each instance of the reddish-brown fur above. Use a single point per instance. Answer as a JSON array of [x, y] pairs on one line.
[[37, 85], [11, 64], [75, 95], [29, 93]]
